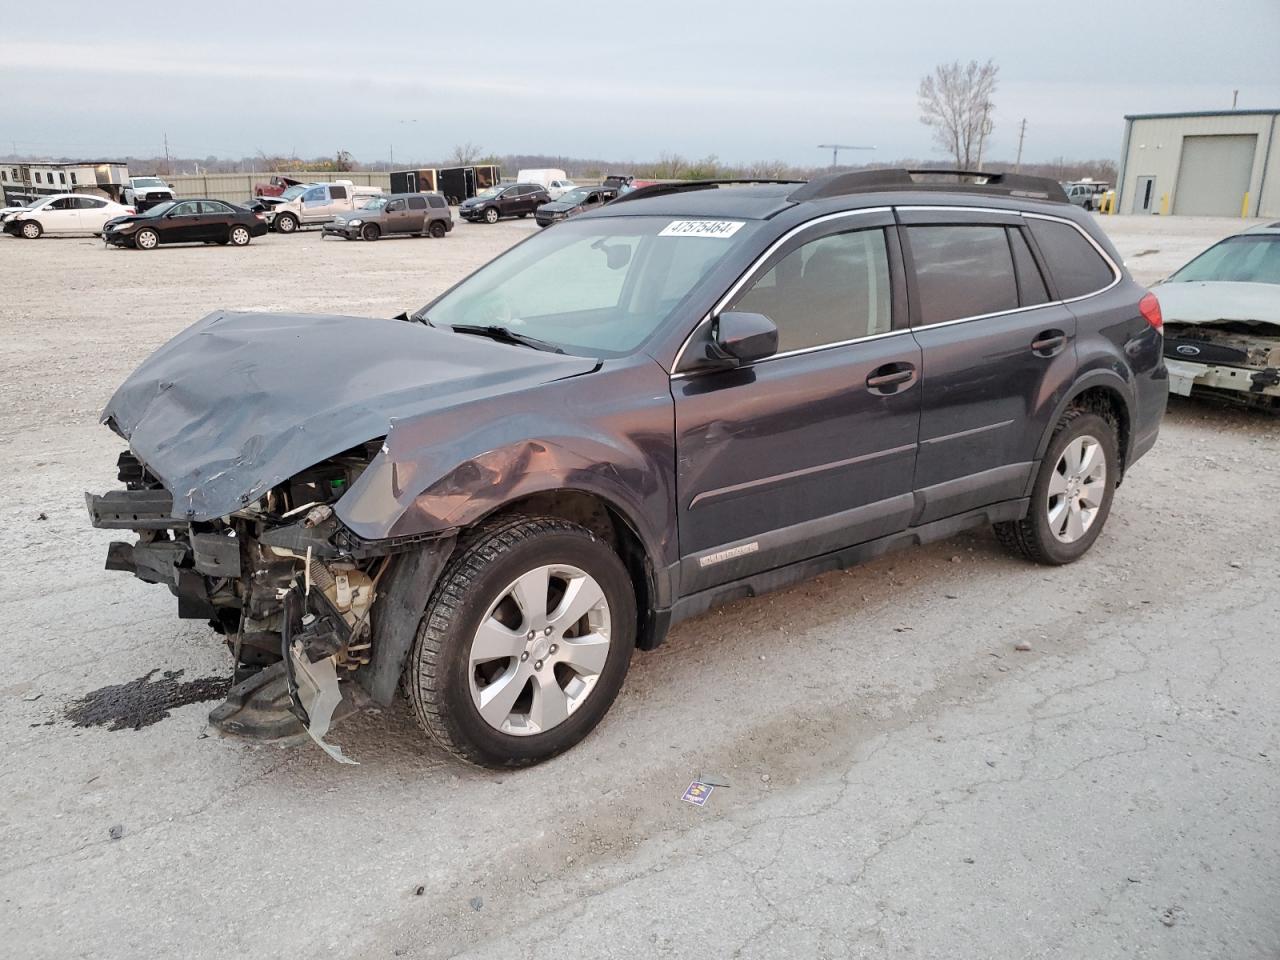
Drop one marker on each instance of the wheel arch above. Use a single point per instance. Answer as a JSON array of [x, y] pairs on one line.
[[1103, 392]]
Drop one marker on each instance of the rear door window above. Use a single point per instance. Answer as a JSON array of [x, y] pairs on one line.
[[437, 201], [962, 271], [338, 193], [1074, 263], [417, 203]]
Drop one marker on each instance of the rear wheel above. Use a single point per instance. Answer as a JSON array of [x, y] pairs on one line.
[[1073, 492], [437, 229], [31, 229], [239, 236], [286, 223], [370, 232], [491, 215], [146, 239], [524, 644]]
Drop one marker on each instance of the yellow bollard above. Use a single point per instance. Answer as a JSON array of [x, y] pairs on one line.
[[1244, 206], [1164, 204]]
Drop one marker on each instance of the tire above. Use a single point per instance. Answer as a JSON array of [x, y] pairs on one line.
[[286, 223], [437, 229], [445, 682], [523, 215], [239, 236], [31, 229], [491, 215], [1034, 536], [370, 232], [146, 239]]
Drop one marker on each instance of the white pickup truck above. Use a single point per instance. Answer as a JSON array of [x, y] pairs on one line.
[[312, 204]]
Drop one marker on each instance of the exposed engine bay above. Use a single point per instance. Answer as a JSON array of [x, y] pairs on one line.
[[1233, 358], [289, 589]]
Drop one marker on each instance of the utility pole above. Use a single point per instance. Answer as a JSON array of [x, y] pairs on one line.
[[1235, 97], [1022, 132], [166, 153], [835, 149]]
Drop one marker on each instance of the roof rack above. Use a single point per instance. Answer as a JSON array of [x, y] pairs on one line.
[[966, 181], [684, 186]]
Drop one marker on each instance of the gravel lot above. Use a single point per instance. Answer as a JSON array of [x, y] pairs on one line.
[[902, 781]]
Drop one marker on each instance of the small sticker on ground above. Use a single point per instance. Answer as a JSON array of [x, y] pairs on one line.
[[719, 229], [698, 793]]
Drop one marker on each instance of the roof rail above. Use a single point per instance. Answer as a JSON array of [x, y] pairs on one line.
[[684, 186], [966, 181]]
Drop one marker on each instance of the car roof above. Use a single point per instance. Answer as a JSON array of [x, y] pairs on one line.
[[746, 202], [1272, 229]]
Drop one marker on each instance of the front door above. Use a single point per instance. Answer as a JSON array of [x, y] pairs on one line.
[[813, 449], [997, 356], [395, 216], [61, 216], [1144, 196], [182, 223]]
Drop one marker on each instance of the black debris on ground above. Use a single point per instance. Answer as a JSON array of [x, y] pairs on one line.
[[142, 702]]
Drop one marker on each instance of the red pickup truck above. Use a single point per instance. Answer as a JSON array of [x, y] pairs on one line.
[[274, 187]]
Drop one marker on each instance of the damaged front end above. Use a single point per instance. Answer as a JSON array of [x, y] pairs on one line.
[[1235, 359], [293, 592]]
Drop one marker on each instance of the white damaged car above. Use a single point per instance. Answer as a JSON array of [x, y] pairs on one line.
[[1222, 319]]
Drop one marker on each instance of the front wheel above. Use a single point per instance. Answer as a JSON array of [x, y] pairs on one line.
[[491, 215], [31, 229], [1072, 494], [146, 239], [524, 644], [370, 232]]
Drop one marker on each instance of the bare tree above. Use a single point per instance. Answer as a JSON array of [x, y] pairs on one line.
[[955, 100], [464, 154]]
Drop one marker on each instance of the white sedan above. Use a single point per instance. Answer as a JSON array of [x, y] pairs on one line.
[[64, 213]]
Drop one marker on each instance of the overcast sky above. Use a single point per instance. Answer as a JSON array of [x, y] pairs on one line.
[[622, 81]]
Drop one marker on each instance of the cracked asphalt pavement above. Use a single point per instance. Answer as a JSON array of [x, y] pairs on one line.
[[902, 780]]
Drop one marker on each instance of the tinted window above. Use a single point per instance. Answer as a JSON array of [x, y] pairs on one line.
[[962, 271], [1031, 286], [214, 207], [187, 209], [417, 203], [73, 178], [66, 203], [437, 201], [90, 203], [338, 193], [1076, 267], [37, 178], [829, 290]]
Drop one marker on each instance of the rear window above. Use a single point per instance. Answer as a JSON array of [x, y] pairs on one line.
[[1077, 268], [962, 271]]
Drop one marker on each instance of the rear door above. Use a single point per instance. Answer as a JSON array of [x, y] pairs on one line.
[[997, 355], [416, 216], [94, 213], [812, 449], [215, 220]]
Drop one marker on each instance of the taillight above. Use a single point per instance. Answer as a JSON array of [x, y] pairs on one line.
[[1150, 309]]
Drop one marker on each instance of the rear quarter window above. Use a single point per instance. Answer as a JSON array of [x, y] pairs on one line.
[[1075, 265], [437, 201]]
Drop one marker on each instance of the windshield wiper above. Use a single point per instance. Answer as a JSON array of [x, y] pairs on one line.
[[505, 335]]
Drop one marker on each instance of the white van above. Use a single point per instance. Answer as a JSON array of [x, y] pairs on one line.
[[308, 204], [552, 180]]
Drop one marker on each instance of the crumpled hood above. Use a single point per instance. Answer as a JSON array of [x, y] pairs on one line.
[[239, 402], [1204, 301]]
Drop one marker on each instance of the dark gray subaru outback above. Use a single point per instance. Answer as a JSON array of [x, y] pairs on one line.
[[700, 392]]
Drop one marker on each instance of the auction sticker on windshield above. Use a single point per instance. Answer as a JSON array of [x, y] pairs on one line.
[[722, 229]]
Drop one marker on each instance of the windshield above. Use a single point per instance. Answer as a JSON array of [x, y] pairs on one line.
[[576, 195], [595, 287], [292, 192], [160, 208], [1246, 259], [148, 182], [372, 203]]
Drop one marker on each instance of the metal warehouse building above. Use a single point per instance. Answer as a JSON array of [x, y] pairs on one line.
[[1220, 164]]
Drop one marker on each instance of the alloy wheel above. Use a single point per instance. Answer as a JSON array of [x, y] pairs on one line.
[[539, 650], [1077, 488]]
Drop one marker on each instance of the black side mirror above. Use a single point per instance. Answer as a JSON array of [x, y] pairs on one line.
[[742, 338]]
